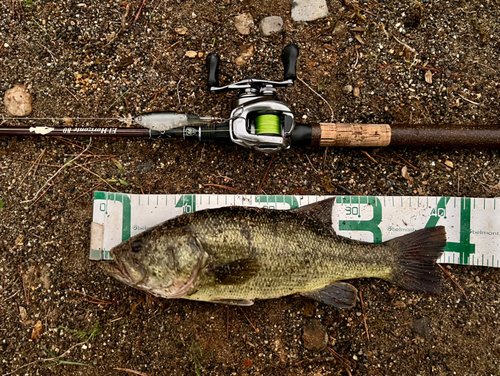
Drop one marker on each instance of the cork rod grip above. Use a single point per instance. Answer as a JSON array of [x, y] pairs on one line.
[[350, 134]]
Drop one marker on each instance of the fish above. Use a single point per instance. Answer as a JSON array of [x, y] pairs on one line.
[[237, 255]]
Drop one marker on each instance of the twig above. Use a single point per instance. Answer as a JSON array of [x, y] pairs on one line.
[[44, 360], [468, 100], [253, 326], [93, 173], [455, 282], [120, 97], [87, 191], [404, 44], [221, 186], [35, 165], [369, 156], [57, 173], [139, 12], [2, 46], [409, 164], [346, 363], [364, 316], [319, 95], [26, 290], [73, 95], [132, 371], [227, 323], [367, 11], [178, 96], [44, 192], [94, 299], [314, 168], [265, 175], [394, 161], [211, 20]]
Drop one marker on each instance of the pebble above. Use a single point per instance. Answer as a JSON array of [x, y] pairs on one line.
[[347, 89], [244, 23], [421, 327], [191, 54], [246, 51], [340, 29], [269, 25], [18, 101], [309, 10], [315, 336]]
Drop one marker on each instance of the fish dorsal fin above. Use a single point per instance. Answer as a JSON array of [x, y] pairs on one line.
[[339, 294], [320, 211], [234, 272]]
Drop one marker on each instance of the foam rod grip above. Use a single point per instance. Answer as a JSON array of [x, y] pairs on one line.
[[213, 61], [289, 58]]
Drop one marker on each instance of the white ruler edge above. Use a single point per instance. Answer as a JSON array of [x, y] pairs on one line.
[[472, 224]]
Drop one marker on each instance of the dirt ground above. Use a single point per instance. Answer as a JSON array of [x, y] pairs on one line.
[[97, 59]]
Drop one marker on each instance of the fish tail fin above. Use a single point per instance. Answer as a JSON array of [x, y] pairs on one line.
[[416, 264]]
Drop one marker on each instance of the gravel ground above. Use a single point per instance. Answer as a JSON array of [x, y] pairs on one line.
[[93, 59]]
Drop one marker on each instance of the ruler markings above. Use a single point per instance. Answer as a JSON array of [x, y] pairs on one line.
[[471, 240]]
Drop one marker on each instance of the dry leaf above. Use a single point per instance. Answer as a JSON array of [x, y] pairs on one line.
[[37, 331], [406, 175], [428, 77], [358, 38]]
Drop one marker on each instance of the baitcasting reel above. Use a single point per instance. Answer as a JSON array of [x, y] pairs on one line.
[[258, 120]]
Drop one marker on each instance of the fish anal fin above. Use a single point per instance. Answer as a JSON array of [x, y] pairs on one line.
[[235, 272], [339, 295], [238, 302]]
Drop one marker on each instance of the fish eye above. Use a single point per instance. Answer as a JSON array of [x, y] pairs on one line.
[[136, 246]]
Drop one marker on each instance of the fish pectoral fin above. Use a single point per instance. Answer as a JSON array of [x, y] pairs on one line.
[[238, 302], [339, 295], [234, 272]]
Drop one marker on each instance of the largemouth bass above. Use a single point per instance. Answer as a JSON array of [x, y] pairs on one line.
[[235, 255]]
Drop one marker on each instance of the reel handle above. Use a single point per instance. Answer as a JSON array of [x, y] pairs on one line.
[[289, 58], [213, 61]]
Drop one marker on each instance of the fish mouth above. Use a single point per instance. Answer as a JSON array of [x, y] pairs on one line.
[[120, 272]]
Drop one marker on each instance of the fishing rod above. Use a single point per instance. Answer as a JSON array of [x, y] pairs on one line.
[[260, 122]]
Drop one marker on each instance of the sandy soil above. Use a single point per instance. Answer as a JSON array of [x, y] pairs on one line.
[[93, 59]]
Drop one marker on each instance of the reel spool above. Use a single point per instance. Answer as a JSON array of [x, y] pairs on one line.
[[267, 125]]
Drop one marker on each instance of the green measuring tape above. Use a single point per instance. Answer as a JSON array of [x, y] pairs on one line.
[[267, 124]]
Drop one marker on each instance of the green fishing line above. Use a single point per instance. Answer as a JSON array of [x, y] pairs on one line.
[[267, 124]]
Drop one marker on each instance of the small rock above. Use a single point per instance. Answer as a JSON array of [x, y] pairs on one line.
[[191, 54], [355, 92], [308, 10], [18, 101], [449, 164], [399, 304], [269, 25], [428, 77], [422, 328], [244, 23], [181, 30], [347, 89], [315, 337]]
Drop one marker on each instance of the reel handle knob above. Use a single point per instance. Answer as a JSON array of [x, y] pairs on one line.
[[289, 58], [213, 61]]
